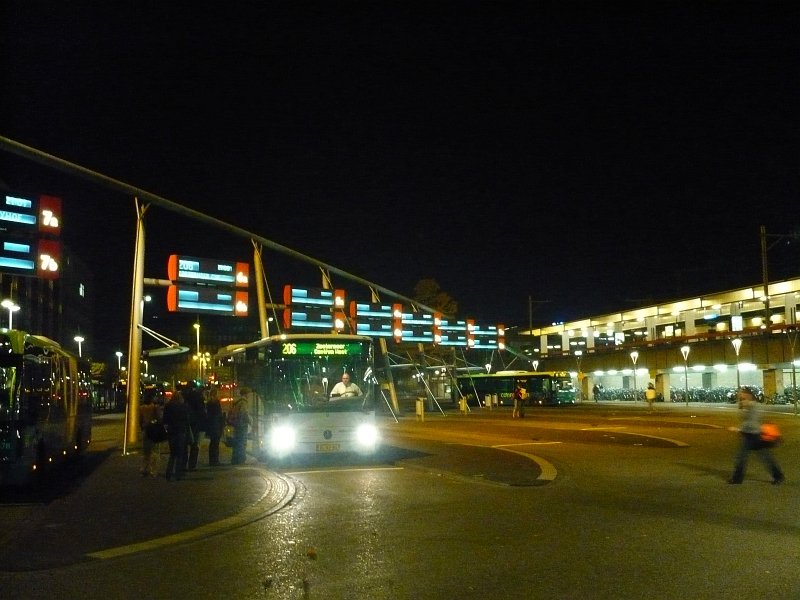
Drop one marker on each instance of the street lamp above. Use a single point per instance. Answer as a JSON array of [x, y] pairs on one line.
[[737, 345], [147, 298], [634, 358], [79, 339], [578, 356], [12, 308], [199, 371], [119, 360], [685, 353], [535, 364]]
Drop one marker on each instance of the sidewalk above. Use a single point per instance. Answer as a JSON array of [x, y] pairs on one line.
[[115, 511]]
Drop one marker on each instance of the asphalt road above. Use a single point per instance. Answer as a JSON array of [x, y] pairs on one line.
[[601, 502]]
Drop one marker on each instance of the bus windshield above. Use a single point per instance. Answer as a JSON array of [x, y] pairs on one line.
[[301, 374]]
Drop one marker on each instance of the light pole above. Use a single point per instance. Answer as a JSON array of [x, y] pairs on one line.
[[199, 368], [685, 353], [634, 358], [12, 308], [578, 356], [119, 361], [79, 339], [737, 345]]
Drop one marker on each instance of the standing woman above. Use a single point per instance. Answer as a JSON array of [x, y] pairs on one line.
[[176, 418], [239, 418], [214, 426], [149, 414]]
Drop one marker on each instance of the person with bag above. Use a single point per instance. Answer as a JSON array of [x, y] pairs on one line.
[[214, 426], [519, 402], [176, 418], [650, 395], [750, 430], [150, 423], [239, 418], [197, 416]]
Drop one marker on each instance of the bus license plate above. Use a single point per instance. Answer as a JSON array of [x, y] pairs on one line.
[[327, 447]]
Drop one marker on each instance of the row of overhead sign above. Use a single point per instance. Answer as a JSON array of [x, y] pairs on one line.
[[30, 227], [211, 286], [322, 309]]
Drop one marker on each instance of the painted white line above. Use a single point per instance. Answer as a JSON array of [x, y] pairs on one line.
[[549, 470], [501, 446], [279, 491], [656, 437], [350, 470]]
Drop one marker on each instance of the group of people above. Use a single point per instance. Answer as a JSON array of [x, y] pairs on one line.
[[188, 414]]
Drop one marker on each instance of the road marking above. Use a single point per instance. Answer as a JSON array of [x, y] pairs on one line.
[[548, 469], [501, 446], [347, 470], [278, 493]]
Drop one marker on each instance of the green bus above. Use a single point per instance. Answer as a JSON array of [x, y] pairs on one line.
[[542, 388], [45, 405]]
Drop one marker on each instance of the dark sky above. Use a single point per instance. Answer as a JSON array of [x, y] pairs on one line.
[[599, 157]]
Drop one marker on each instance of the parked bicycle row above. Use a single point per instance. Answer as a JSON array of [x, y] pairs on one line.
[[695, 394]]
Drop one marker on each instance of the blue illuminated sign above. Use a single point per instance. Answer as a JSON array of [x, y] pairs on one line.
[[453, 333]]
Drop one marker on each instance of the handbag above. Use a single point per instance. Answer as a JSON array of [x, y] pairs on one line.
[[156, 431], [227, 435], [770, 434]]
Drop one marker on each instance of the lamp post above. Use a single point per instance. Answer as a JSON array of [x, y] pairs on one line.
[[737, 345], [198, 355], [792, 342], [578, 356], [685, 353], [79, 339], [12, 308], [119, 360], [634, 358]]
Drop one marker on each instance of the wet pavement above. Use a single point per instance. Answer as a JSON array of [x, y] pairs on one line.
[[101, 506]]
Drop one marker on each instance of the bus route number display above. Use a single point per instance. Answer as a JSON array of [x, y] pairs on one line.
[[321, 349]]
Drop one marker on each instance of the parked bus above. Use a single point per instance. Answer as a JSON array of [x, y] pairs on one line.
[[45, 405], [292, 377], [543, 388]]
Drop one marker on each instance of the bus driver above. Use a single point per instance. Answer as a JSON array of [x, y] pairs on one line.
[[345, 389]]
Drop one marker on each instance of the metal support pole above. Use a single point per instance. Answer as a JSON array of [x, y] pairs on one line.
[[765, 275], [135, 336], [258, 268]]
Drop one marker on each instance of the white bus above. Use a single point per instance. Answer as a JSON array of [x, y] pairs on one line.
[[292, 377]]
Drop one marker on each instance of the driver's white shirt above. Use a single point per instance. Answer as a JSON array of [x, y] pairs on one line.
[[340, 389]]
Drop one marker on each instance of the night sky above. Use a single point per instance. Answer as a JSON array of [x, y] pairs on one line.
[[595, 157]]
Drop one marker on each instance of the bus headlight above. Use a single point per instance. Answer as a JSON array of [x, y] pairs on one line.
[[367, 435], [282, 439]]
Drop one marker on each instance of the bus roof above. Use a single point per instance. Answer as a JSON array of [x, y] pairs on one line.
[[518, 374]]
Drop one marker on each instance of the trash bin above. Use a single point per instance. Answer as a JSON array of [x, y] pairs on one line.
[[462, 405], [420, 409], [487, 401]]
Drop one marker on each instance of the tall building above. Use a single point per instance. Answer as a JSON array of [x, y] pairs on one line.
[[59, 309]]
